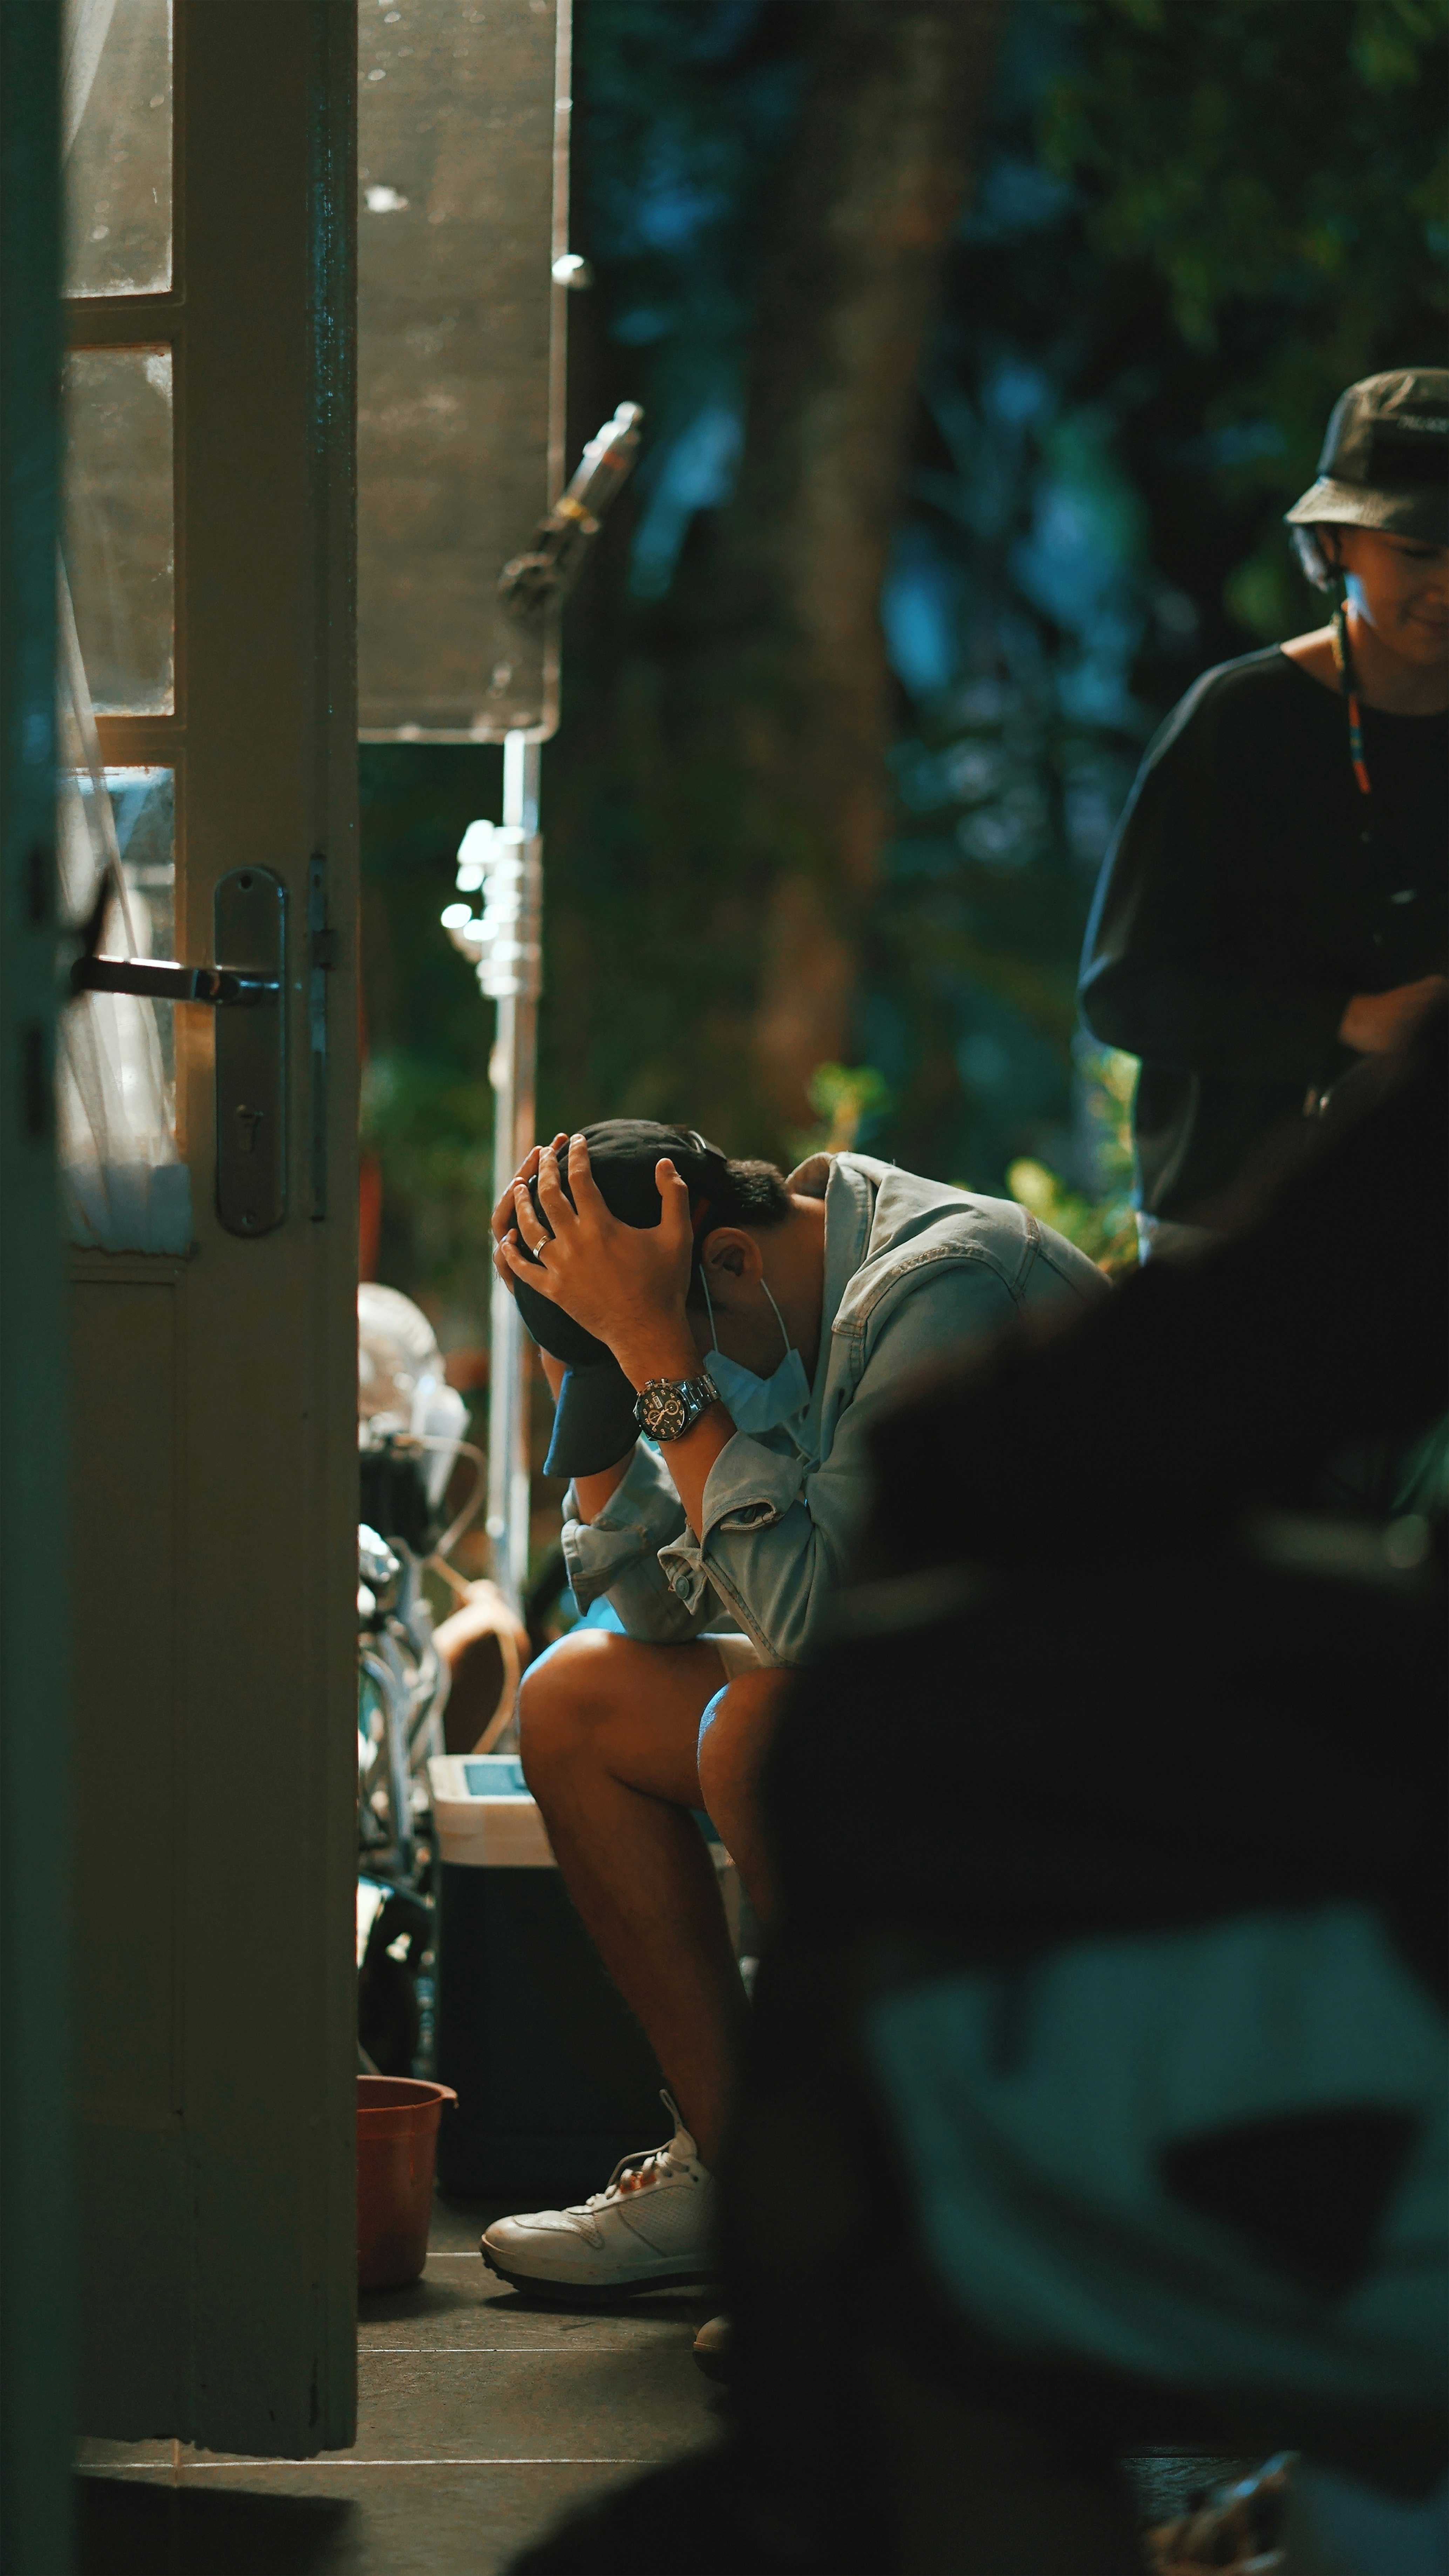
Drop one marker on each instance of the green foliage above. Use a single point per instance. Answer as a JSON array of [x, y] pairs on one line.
[[1255, 217], [1109, 1080], [427, 1110], [1282, 170], [845, 1098], [657, 887], [432, 1133], [1104, 1227], [1243, 145]]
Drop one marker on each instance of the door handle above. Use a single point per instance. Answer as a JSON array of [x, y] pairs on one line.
[[249, 924], [161, 979]]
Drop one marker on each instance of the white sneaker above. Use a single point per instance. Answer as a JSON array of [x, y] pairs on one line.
[[654, 2223]]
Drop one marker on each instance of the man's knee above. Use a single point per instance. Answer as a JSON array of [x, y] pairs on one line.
[[561, 1696], [734, 1743]]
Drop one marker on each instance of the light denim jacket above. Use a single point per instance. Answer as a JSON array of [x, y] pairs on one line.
[[913, 1269]]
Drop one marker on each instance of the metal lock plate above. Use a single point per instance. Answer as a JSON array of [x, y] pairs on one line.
[[250, 923]]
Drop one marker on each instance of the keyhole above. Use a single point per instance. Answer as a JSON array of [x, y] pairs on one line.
[[249, 1121]]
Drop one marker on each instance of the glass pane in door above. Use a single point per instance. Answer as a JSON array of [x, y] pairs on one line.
[[116, 133], [124, 1184], [119, 525]]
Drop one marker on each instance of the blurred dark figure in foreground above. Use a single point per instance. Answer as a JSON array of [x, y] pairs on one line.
[[1117, 2026], [1095, 2092], [1256, 1374], [1275, 900]]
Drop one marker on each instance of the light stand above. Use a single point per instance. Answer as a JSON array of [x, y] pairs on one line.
[[503, 862]]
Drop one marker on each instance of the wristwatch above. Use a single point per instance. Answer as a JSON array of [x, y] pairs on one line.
[[669, 1406]]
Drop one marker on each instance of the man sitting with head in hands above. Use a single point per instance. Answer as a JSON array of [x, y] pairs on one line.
[[753, 1328]]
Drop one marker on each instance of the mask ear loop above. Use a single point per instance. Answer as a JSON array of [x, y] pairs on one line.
[[779, 1318], [709, 1304]]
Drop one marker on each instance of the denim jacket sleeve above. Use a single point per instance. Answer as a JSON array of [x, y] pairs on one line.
[[778, 1526], [781, 1517], [618, 1553]]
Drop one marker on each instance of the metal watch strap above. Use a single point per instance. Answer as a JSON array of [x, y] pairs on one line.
[[667, 1407]]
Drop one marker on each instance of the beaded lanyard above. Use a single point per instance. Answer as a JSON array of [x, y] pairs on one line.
[[1317, 1100], [1348, 677]]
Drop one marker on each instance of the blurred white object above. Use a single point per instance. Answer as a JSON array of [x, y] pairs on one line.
[[504, 865], [401, 1385]]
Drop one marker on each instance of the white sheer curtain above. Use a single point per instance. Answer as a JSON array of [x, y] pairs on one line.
[[126, 1188], [84, 28]]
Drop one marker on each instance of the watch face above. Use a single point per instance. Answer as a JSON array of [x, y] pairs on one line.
[[670, 1407]]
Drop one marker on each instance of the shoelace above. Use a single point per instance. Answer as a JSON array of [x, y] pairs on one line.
[[662, 2159]]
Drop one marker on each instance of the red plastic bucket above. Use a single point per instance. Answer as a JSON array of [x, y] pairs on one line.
[[397, 2136]]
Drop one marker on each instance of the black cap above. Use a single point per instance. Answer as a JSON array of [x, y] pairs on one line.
[[1385, 460], [594, 1424]]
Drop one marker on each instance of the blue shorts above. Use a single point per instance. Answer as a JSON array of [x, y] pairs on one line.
[[711, 1712]]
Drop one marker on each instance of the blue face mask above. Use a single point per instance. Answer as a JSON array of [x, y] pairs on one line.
[[758, 1403]]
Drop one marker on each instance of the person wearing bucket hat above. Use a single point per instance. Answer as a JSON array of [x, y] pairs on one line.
[[752, 1327], [1274, 905]]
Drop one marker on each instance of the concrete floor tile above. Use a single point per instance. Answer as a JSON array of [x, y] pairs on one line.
[[311, 2521], [580, 2404], [459, 2300], [95, 2454], [484, 2418], [456, 2225], [577, 2406]]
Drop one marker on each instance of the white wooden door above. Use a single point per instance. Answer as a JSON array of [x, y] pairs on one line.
[[35, 2212], [214, 1402]]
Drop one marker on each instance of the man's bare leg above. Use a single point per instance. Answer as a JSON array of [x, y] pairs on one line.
[[608, 1731], [731, 1751]]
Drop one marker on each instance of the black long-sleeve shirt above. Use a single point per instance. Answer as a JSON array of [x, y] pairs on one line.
[[1249, 893]]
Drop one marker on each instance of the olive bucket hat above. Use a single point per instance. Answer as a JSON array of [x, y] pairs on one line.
[[1385, 460]]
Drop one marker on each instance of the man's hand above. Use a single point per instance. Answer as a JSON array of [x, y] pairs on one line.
[[625, 1284], [1379, 1023], [503, 1214]]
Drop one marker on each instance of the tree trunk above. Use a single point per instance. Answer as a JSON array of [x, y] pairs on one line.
[[875, 185], [719, 799]]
